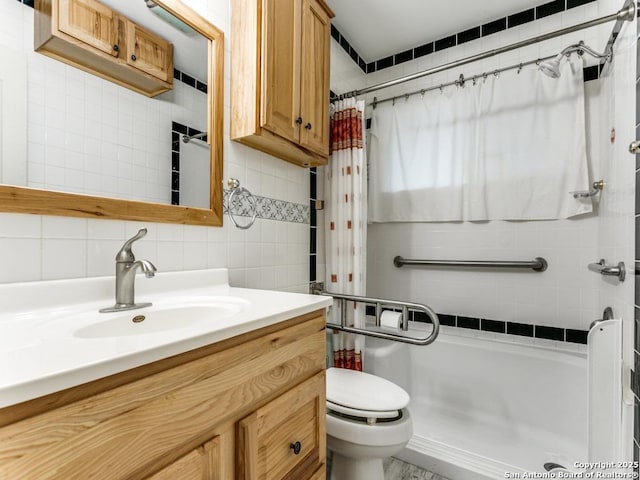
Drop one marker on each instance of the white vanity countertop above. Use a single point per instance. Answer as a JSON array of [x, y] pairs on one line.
[[52, 336]]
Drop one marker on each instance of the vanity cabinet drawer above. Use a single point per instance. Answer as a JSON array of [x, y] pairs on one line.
[[285, 439]]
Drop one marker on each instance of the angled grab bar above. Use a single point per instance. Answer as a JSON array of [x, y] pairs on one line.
[[379, 302]]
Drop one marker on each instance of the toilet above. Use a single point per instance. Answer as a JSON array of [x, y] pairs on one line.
[[367, 421]]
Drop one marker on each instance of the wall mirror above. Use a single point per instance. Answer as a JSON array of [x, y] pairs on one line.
[[97, 149]]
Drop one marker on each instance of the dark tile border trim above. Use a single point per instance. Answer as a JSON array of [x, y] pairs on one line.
[[177, 130], [498, 326], [489, 28], [190, 81]]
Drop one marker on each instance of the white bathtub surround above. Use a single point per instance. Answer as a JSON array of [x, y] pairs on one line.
[[482, 408], [346, 225], [457, 154], [54, 338]]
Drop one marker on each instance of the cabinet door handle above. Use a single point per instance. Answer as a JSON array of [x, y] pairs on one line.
[[116, 48], [308, 126], [296, 447], [299, 121], [134, 58]]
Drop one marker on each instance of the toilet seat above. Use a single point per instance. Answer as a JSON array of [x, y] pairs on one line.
[[362, 395]]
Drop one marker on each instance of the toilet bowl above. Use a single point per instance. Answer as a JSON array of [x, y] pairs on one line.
[[367, 421]]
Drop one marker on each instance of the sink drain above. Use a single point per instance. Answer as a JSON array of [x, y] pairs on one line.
[[141, 318]]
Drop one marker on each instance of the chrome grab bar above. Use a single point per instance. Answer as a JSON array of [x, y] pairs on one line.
[[603, 269], [379, 303], [539, 264]]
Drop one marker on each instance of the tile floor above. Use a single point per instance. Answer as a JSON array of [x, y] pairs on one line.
[[395, 469]]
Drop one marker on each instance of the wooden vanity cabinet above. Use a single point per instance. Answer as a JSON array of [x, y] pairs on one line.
[[92, 37], [233, 409], [280, 78]]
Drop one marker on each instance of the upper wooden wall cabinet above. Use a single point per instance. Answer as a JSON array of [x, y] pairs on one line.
[[101, 41], [280, 78]]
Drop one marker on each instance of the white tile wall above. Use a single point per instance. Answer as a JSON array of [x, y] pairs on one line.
[[566, 295], [272, 255]]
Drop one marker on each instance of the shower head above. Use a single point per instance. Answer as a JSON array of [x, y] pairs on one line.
[[551, 68]]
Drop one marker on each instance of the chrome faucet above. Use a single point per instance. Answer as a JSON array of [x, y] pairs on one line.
[[126, 267]]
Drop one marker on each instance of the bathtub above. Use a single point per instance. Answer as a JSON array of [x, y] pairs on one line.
[[484, 408]]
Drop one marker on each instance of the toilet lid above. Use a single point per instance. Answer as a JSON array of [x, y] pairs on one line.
[[362, 391]]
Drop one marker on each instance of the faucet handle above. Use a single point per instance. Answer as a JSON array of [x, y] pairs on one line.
[[125, 254]]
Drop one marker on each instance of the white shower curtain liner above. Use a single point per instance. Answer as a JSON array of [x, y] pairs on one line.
[[508, 148]]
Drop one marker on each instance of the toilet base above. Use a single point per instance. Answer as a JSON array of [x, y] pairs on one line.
[[345, 468]]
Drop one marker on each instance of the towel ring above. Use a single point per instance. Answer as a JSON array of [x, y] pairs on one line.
[[234, 186]]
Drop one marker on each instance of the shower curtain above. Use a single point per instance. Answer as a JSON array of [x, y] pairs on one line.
[[506, 147], [346, 223]]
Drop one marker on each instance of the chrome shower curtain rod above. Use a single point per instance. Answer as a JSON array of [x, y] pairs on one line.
[[626, 13]]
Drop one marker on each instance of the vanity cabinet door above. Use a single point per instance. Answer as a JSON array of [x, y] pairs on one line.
[[148, 52], [90, 22], [285, 439], [206, 462], [314, 93]]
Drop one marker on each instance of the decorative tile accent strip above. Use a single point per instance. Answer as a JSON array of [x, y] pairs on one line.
[[498, 326], [497, 25], [267, 208]]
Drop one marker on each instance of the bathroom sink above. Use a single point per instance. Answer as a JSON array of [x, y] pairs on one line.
[[162, 318]]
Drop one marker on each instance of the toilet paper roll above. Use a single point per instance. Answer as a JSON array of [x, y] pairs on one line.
[[391, 320]]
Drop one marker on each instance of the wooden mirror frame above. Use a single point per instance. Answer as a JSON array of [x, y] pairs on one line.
[[43, 202]]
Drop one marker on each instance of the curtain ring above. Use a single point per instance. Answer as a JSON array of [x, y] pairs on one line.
[[474, 80], [406, 97], [422, 93], [393, 102], [442, 88], [234, 185], [496, 73], [519, 69]]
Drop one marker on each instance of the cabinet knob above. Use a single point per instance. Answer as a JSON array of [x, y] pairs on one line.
[[116, 48], [299, 121], [308, 126], [134, 58], [296, 447]]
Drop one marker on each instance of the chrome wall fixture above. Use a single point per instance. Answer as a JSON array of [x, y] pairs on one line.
[[379, 303], [539, 264], [609, 270], [198, 136], [596, 188], [236, 189]]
